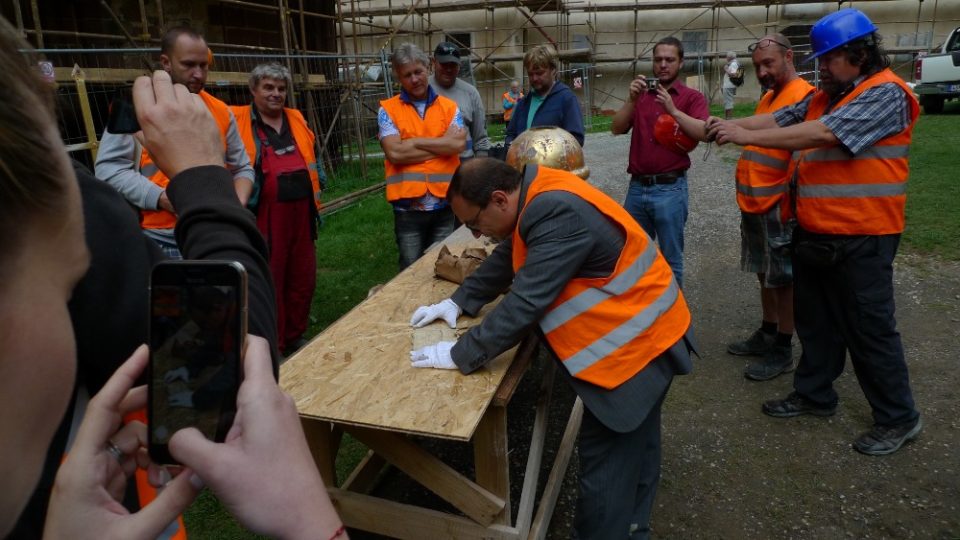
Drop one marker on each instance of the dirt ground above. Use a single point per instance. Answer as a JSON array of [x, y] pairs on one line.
[[730, 471]]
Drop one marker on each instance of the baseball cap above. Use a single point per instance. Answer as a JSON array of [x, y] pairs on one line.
[[446, 52]]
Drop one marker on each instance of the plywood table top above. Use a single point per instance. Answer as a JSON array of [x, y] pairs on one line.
[[358, 371]]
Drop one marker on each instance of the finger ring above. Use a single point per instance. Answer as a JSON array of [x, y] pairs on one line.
[[115, 451]]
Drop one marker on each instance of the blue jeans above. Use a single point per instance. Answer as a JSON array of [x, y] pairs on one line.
[[416, 231], [661, 209]]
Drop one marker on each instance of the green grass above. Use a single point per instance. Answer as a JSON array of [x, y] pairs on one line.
[[348, 178], [356, 250], [739, 109], [933, 192]]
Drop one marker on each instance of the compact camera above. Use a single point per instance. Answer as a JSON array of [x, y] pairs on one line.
[[653, 85]]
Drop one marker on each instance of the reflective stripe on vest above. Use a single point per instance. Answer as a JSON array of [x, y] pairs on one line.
[[762, 172], [303, 137], [414, 180], [836, 153], [605, 330], [440, 178], [862, 194], [162, 219], [591, 297], [623, 334]]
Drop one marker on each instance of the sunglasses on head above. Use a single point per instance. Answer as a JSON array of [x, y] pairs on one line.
[[764, 43]]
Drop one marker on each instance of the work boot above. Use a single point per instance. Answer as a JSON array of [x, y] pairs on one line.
[[795, 405], [756, 345], [779, 359], [883, 440]]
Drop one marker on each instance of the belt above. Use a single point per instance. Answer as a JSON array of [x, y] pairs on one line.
[[662, 178]]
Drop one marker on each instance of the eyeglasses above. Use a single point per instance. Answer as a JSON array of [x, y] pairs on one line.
[[764, 43], [472, 224]]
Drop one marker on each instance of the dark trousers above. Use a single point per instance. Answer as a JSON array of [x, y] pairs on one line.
[[849, 307], [619, 473], [416, 231]]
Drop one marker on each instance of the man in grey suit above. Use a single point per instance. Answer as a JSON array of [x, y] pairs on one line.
[[575, 266]]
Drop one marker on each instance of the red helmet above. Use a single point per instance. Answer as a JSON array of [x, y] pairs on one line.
[[667, 132]]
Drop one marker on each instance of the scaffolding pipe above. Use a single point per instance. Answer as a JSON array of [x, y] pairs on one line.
[[145, 29], [35, 9], [357, 96], [254, 5], [18, 15]]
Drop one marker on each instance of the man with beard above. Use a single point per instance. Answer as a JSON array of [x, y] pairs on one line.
[[848, 175], [123, 164], [574, 264], [657, 196], [761, 186], [549, 103]]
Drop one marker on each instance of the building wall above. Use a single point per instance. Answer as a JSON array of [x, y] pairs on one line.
[[616, 39]]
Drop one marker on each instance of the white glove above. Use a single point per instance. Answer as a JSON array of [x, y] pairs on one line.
[[448, 310], [179, 374], [434, 356]]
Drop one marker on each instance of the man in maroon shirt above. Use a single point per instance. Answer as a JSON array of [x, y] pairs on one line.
[[657, 197]]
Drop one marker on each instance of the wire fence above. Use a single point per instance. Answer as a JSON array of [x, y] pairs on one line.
[[339, 96]]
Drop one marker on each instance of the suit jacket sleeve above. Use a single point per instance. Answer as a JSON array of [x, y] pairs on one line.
[[558, 242]]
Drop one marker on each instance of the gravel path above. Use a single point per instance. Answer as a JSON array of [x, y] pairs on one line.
[[731, 472]]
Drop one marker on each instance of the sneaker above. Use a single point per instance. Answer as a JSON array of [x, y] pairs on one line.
[[756, 345], [883, 440], [795, 405], [778, 360]]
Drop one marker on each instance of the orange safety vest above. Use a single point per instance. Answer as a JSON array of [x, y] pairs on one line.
[[838, 193], [146, 493], [507, 113], [605, 330], [762, 172], [303, 137], [162, 219], [412, 180]]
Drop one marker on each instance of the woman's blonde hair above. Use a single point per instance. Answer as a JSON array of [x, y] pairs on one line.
[[32, 182], [543, 56]]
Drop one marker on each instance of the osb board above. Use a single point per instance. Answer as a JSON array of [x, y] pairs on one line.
[[358, 370]]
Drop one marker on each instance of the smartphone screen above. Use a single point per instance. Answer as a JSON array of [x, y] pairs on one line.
[[123, 117], [197, 329]]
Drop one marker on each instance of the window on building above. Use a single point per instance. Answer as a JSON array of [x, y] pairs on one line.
[[694, 42], [799, 36]]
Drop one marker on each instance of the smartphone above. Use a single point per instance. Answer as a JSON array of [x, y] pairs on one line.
[[198, 326], [123, 117], [652, 85]]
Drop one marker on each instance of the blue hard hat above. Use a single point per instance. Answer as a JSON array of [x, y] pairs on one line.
[[837, 29]]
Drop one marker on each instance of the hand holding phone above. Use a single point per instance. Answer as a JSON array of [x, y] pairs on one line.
[[197, 331], [264, 474], [178, 129], [123, 116]]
